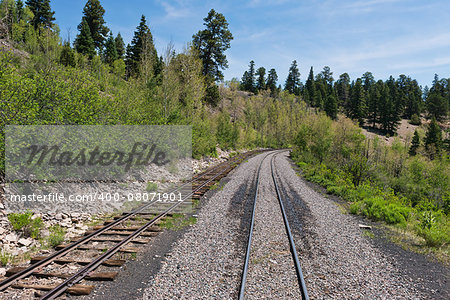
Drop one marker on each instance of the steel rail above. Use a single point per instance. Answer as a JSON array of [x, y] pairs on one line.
[[49, 259], [250, 235], [79, 275], [298, 269]]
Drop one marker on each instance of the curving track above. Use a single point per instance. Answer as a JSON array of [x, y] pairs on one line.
[[300, 279]]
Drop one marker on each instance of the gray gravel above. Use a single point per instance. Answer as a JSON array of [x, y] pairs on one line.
[[337, 260], [271, 273], [205, 263]]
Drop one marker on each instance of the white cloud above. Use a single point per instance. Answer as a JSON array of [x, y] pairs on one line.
[[173, 11]]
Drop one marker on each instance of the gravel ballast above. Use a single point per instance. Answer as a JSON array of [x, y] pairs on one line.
[[337, 259]]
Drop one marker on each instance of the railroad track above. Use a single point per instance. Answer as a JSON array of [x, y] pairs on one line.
[[137, 227], [300, 279]]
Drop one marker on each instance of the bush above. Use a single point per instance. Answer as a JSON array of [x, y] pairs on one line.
[[415, 120], [56, 236], [24, 222], [152, 187], [5, 257]]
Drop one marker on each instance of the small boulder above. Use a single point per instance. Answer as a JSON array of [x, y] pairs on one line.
[[11, 238], [25, 242]]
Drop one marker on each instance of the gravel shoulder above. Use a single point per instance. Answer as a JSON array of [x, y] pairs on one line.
[[339, 261]]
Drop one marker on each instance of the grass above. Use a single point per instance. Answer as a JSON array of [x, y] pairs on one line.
[[55, 237], [5, 258], [151, 187], [177, 222]]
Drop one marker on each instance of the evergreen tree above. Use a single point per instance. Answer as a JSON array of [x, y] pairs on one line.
[[93, 13], [272, 79], [292, 84], [320, 91], [373, 102], [20, 10], [331, 107], [310, 89], [42, 13], [212, 43], [110, 52], [358, 102], [120, 46], [390, 107], [415, 144], [142, 47], [367, 81], [67, 57], [84, 43], [437, 106], [327, 76], [248, 79], [343, 90], [261, 80], [433, 138]]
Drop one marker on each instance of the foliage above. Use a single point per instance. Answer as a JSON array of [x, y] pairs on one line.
[[84, 43], [292, 84], [5, 258], [211, 43], [151, 187], [24, 222], [56, 236], [42, 13], [93, 13]]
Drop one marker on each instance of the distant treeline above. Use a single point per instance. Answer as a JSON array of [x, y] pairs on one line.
[[379, 104]]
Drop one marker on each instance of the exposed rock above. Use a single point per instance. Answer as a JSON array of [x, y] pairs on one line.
[[25, 242], [11, 238], [2, 230], [2, 271]]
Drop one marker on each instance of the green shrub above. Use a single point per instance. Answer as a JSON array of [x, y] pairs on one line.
[[415, 120], [355, 208], [5, 257], [24, 222], [151, 187], [56, 236]]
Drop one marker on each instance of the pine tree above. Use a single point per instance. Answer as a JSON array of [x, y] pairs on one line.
[[120, 46], [42, 13], [310, 89], [67, 57], [437, 106], [373, 101], [331, 107], [415, 144], [248, 79], [93, 13], [110, 52], [343, 90], [327, 76], [261, 80], [367, 81], [433, 138], [211, 43], [141, 48], [292, 84], [272, 79], [84, 43], [20, 10], [358, 102]]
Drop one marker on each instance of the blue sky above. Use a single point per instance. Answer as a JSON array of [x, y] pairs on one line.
[[386, 37]]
